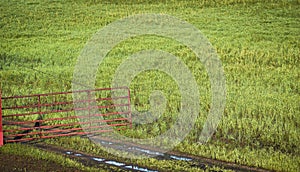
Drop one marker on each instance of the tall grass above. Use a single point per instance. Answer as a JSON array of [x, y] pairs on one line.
[[257, 41]]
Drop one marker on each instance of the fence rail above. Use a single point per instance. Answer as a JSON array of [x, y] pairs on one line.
[[41, 116]]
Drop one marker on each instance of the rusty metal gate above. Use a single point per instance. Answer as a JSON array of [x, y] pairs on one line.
[[41, 116]]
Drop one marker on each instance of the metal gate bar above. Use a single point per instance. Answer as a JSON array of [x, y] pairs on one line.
[[41, 116]]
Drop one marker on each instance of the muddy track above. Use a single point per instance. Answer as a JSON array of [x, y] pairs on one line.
[[97, 161], [195, 161], [92, 160]]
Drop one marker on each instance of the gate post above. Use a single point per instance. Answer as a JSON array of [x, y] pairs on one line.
[[1, 131]]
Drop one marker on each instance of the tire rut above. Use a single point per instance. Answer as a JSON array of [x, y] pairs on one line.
[[97, 161]]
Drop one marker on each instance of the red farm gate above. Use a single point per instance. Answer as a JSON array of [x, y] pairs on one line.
[[41, 116]]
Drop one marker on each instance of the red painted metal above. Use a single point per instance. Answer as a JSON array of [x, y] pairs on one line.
[[1, 131], [129, 108], [42, 116]]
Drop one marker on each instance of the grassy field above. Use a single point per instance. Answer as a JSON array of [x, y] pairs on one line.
[[258, 43]]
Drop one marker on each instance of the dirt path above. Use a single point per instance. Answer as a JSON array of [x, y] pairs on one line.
[[100, 162], [16, 163], [92, 160], [196, 161]]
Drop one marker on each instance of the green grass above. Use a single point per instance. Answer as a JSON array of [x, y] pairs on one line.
[[257, 41]]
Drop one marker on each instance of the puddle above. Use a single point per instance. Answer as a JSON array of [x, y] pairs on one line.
[[110, 162], [115, 163], [98, 159], [146, 151], [139, 169], [69, 153], [180, 158], [107, 143]]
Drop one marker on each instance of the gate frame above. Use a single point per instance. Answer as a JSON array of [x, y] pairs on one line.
[[1, 113]]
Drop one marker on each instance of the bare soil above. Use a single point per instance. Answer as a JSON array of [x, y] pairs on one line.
[[15, 163]]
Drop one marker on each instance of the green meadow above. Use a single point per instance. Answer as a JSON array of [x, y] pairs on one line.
[[258, 43]]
